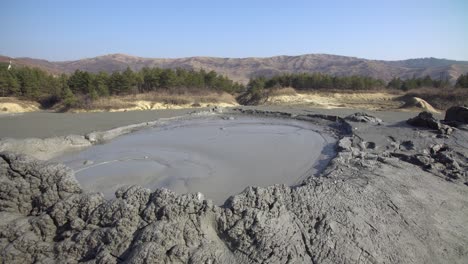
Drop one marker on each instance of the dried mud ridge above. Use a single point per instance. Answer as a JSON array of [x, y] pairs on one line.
[[393, 194]]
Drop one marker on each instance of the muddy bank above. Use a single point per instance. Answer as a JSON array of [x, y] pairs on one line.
[[49, 147], [45, 124], [394, 194]]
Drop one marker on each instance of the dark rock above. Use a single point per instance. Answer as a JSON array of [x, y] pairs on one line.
[[363, 117], [427, 120], [424, 119], [370, 145], [439, 160], [407, 145], [457, 114]]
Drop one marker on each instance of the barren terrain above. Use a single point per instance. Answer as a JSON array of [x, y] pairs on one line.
[[394, 193]]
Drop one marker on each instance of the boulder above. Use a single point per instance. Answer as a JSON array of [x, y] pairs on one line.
[[457, 114], [427, 120], [363, 117]]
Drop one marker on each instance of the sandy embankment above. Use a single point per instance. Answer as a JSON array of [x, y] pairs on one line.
[[337, 100], [379, 101], [141, 105], [358, 100], [138, 102], [159, 101], [148, 105], [10, 105]]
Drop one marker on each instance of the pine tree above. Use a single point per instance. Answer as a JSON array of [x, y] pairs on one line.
[[462, 81]]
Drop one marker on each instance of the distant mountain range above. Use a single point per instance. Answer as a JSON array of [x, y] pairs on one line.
[[241, 69]]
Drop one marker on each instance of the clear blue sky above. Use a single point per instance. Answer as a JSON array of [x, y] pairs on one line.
[[390, 30]]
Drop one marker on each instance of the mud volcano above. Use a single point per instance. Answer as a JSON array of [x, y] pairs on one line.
[[218, 157], [393, 193]]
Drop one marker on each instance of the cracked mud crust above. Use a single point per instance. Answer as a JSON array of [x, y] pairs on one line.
[[393, 194]]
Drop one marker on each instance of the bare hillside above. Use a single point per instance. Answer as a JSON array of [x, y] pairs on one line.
[[241, 69]]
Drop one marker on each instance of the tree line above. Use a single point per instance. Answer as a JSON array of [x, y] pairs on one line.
[[317, 81], [36, 84], [413, 83], [462, 81]]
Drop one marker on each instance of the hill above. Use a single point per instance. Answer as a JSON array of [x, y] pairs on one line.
[[241, 69]]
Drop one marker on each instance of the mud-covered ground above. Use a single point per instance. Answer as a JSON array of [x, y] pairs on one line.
[[395, 193], [47, 124]]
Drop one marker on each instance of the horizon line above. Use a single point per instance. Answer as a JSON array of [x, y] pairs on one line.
[[220, 57]]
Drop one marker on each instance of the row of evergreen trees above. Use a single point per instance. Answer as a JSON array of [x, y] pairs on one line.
[[413, 83], [148, 79], [36, 84], [314, 81]]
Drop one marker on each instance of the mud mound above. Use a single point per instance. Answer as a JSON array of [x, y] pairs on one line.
[[412, 103], [44, 149]]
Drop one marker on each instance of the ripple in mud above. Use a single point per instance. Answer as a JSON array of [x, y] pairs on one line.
[[216, 157]]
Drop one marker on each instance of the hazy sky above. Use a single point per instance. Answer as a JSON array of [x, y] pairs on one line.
[[390, 30]]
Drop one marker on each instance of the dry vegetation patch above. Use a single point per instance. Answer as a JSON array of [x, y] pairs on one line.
[[430, 99], [15, 105], [441, 98], [160, 100], [375, 100], [282, 91]]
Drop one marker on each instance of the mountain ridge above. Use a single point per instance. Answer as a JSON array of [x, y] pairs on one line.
[[241, 69]]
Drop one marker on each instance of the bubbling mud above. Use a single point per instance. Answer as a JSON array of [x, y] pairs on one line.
[[218, 157]]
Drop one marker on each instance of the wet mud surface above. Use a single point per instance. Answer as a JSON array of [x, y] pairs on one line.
[[218, 157]]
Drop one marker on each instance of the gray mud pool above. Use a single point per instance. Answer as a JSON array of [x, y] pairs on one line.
[[217, 157]]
